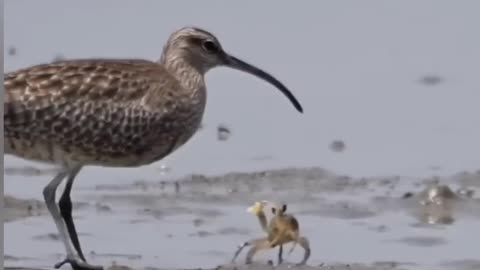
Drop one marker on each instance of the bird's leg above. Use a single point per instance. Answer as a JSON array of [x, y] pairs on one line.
[[49, 196], [65, 205]]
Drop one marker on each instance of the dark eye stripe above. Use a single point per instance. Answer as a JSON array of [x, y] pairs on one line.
[[210, 46], [196, 41]]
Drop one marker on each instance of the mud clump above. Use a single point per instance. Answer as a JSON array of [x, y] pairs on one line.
[[29, 171], [223, 132], [431, 80], [12, 51], [58, 58], [423, 241], [467, 179], [21, 208], [438, 203], [337, 146]]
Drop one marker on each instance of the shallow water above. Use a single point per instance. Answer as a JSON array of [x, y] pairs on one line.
[[353, 223], [358, 73]]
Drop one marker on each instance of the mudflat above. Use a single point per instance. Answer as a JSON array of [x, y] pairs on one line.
[[197, 222]]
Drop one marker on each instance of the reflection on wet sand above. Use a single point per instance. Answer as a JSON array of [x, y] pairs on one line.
[[437, 203]]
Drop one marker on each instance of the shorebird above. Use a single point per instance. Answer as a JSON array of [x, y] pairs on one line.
[[111, 112]]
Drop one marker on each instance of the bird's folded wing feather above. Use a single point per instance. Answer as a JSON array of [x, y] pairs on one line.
[[39, 97]]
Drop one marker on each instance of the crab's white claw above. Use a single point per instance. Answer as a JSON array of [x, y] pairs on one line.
[[254, 208]]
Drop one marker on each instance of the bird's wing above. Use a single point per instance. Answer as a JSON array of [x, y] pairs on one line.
[[36, 95]]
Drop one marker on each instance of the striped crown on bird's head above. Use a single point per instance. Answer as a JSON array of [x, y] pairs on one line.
[[198, 47]]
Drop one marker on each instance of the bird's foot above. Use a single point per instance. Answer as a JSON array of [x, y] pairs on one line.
[[78, 264]]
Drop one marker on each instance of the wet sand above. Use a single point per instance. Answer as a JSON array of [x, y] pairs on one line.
[[198, 221], [360, 120], [257, 266]]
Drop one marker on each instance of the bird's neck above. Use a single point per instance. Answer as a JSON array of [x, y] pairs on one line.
[[190, 77]]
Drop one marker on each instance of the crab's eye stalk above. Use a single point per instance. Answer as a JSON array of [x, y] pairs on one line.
[[210, 46]]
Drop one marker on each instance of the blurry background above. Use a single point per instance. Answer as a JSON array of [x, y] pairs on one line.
[[388, 87], [397, 82]]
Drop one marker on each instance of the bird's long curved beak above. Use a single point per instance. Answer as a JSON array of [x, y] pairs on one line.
[[238, 64]]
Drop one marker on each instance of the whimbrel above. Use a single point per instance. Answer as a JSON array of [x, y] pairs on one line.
[[111, 112]]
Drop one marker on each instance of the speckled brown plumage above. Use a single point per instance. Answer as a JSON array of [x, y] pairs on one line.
[[102, 112], [111, 112]]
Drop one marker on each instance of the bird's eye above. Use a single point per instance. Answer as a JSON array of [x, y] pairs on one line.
[[210, 46]]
